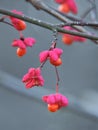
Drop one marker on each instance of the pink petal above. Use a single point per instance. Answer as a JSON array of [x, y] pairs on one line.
[[44, 98], [41, 81], [25, 78], [58, 97], [76, 38], [29, 41], [31, 72], [53, 56], [60, 1], [29, 75], [18, 43], [33, 78], [30, 84], [43, 56], [64, 101], [16, 12], [58, 51], [72, 5], [37, 71], [51, 99], [68, 28], [16, 23], [80, 39]]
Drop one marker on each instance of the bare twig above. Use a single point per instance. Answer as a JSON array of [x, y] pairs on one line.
[[48, 25], [93, 14], [42, 6], [90, 24], [87, 12]]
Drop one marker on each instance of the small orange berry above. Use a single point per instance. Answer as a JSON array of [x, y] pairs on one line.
[[20, 52], [53, 107], [21, 25], [67, 39], [58, 62], [64, 8]]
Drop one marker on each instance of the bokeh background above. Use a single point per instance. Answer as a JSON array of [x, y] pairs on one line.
[[22, 109]]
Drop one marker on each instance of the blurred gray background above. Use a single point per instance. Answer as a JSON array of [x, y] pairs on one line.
[[22, 109]]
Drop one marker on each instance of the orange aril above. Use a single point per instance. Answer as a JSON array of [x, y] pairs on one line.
[[64, 8], [20, 25], [53, 107], [58, 62], [67, 39], [20, 52]]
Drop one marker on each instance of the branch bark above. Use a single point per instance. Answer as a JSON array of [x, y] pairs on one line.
[[48, 25], [40, 5]]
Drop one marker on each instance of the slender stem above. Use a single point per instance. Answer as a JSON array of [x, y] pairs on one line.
[[2, 20], [87, 12], [93, 13], [57, 87], [7, 23], [51, 47], [58, 79], [42, 64]]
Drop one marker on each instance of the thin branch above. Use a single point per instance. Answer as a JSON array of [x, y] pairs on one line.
[[93, 13], [87, 12], [48, 25], [91, 24], [70, 17], [38, 4], [2, 19], [7, 23]]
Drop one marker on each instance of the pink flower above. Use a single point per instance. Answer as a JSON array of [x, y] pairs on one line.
[[60, 1], [72, 6], [29, 41], [33, 78], [67, 5], [52, 54], [18, 43], [43, 56], [74, 38], [17, 23], [23, 42], [79, 39], [57, 98], [16, 12]]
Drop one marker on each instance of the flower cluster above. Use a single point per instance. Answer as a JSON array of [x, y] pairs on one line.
[[53, 55], [22, 43], [55, 101], [33, 78], [67, 6], [69, 39], [18, 24]]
